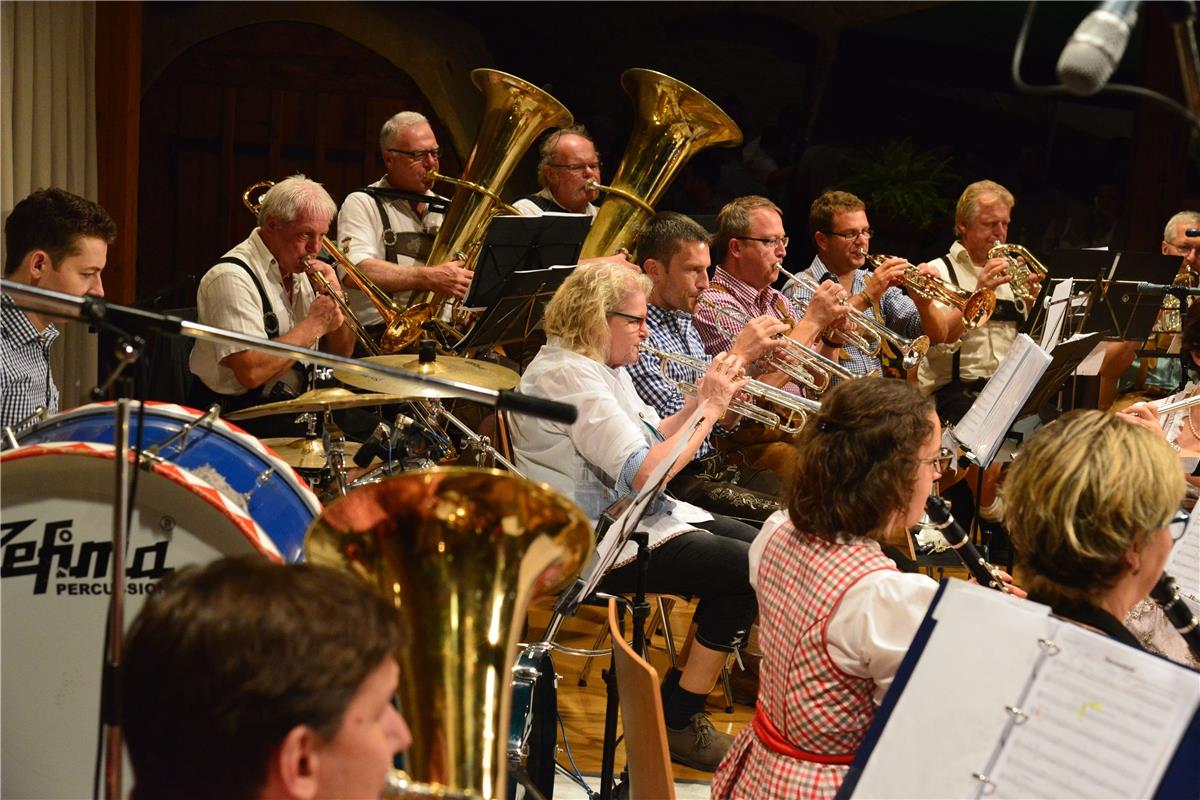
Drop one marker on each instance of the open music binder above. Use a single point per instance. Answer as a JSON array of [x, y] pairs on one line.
[[1040, 707]]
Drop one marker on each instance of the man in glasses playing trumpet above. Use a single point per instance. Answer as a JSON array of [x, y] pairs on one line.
[[674, 253], [842, 234]]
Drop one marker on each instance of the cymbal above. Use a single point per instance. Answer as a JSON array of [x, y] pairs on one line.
[[309, 453], [483, 374], [329, 399]]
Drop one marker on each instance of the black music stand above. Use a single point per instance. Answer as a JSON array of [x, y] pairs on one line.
[[517, 271], [1128, 315]]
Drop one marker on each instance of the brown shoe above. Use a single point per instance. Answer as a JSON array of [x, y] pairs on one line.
[[743, 683], [699, 745]]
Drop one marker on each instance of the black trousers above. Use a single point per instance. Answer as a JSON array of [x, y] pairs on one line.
[[712, 565]]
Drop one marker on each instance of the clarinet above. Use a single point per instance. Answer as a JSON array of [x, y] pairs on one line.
[[1166, 594], [985, 574]]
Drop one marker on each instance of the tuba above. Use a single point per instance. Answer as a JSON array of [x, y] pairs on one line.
[[515, 114], [674, 122], [459, 553]]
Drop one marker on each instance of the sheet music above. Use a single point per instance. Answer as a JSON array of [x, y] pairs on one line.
[[1184, 563], [982, 428], [1103, 721]]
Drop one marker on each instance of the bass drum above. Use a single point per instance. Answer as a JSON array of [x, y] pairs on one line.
[[55, 562], [234, 462]]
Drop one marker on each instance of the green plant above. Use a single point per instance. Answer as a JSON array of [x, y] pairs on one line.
[[902, 184]]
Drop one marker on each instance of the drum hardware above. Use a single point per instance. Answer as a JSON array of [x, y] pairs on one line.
[[127, 351], [459, 553], [480, 446], [206, 418], [10, 431]]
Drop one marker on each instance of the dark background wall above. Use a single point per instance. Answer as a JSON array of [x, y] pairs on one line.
[[902, 102]]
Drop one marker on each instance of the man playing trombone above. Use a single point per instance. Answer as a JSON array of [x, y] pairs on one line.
[[674, 252], [839, 227], [260, 288]]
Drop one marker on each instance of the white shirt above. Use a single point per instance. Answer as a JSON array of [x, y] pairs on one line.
[[226, 298], [530, 209], [359, 220], [869, 632], [982, 348], [583, 461]]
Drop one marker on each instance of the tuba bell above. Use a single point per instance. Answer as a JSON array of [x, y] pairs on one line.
[[674, 122], [515, 114], [459, 553]]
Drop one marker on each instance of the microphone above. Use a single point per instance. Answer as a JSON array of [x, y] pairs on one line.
[[374, 445], [1093, 52], [1159, 289]]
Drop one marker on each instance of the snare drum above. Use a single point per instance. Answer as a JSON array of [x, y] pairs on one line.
[[55, 562], [234, 462]]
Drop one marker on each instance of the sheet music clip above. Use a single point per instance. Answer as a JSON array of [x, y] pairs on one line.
[[988, 786], [1019, 717]]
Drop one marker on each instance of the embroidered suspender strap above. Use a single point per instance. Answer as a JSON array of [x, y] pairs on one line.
[[270, 320], [435, 203], [389, 235], [775, 741]]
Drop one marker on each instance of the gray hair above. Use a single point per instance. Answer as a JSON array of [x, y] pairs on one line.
[[294, 197], [549, 145], [398, 122], [1192, 217]]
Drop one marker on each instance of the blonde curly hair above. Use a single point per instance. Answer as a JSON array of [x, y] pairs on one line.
[[1082, 491], [578, 312]]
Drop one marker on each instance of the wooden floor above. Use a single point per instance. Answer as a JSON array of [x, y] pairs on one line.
[[582, 708]]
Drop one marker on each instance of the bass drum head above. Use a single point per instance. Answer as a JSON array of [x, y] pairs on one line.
[[55, 548]]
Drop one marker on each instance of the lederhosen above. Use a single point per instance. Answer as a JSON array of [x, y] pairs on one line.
[[545, 203], [956, 397], [201, 396]]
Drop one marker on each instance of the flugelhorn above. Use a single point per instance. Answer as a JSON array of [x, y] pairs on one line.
[[802, 364], [798, 408], [869, 334], [976, 307], [1019, 273], [385, 305], [673, 122], [515, 114]]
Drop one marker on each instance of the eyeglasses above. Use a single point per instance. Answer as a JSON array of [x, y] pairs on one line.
[[634, 318], [941, 462], [594, 166], [772, 243], [417, 155], [850, 236], [1178, 525], [1185, 250]]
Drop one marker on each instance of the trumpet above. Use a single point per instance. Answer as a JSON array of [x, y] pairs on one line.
[[869, 334], [1019, 274], [376, 295], [803, 364], [976, 307], [798, 408]]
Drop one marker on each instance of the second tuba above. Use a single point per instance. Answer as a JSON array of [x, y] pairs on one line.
[[515, 114], [674, 122], [459, 554]]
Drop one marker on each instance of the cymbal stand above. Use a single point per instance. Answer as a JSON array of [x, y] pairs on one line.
[[9, 432], [480, 445]]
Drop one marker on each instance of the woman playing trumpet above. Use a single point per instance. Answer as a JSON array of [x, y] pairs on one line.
[[594, 324]]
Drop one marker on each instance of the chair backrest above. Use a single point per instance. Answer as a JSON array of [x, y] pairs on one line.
[[170, 376], [646, 753]]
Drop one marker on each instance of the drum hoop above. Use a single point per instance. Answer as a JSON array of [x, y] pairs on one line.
[[237, 434], [193, 483]]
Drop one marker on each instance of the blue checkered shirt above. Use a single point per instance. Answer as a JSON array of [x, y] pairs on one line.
[[25, 380], [671, 332], [899, 313]]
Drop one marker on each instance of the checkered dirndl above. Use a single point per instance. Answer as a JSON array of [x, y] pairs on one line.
[[816, 707]]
